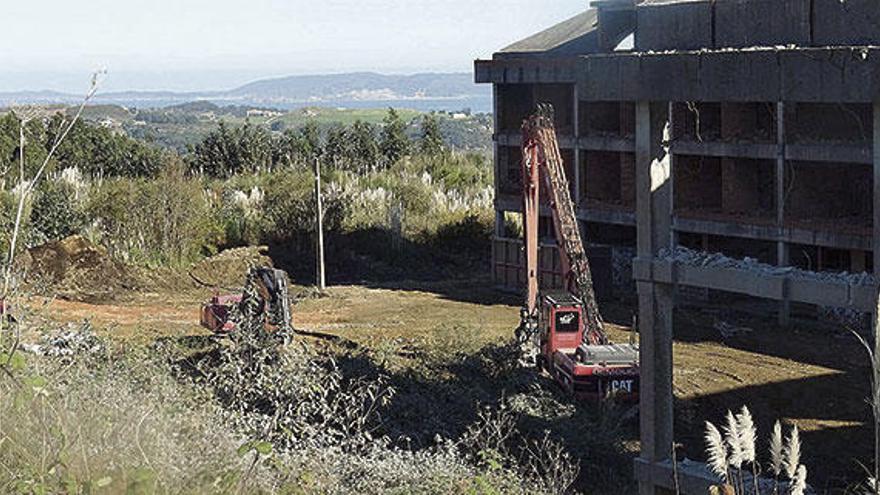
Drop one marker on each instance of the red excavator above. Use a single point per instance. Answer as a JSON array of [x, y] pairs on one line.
[[264, 300], [563, 332]]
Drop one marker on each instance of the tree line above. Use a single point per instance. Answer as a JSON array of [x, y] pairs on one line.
[[95, 151], [361, 147], [228, 150]]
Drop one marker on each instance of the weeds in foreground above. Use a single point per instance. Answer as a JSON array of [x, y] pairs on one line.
[[732, 456], [252, 415]]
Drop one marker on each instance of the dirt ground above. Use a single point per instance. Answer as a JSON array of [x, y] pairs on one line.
[[813, 377]]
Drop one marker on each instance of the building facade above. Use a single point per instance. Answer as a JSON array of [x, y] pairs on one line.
[[741, 128]]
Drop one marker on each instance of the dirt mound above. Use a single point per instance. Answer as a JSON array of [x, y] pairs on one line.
[[228, 269], [76, 269]]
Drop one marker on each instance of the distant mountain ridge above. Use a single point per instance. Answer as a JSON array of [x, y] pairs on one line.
[[427, 91]]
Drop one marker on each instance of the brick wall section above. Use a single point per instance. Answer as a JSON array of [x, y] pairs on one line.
[[827, 191], [628, 179], [740, 184], [737, 120], [601, 176], [697, 183]]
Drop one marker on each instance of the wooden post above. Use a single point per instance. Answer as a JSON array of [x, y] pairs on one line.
[[322, 282]]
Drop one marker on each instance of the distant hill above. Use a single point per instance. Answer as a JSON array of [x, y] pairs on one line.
[[434, 91], [357, 84]]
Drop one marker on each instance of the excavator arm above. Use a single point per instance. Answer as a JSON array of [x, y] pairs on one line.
[[542, 164]]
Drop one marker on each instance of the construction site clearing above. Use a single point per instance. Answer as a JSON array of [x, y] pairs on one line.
[[724, 357]]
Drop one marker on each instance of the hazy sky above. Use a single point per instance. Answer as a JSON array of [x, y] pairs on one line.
[[215, 44]]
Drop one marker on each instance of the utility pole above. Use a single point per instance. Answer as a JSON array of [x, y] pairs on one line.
[[322, 282]]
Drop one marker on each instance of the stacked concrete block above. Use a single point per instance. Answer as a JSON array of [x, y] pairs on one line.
[[746, 23], [674, 25], [846, 22]]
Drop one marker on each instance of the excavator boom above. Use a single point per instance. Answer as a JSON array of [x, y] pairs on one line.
[[542, 163]]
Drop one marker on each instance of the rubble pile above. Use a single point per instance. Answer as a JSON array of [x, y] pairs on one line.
[[716, 260], [69, 342]]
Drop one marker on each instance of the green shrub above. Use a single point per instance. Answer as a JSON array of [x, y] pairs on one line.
[[168, 220], [290, 206], [8, 208], [458, 172], [56, 212]]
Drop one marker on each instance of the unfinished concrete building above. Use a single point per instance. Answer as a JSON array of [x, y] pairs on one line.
[[739, 127]]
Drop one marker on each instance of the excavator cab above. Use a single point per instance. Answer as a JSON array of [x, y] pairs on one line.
[[561, 323], [584, 370]]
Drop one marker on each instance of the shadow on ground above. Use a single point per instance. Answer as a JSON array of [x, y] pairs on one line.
[[443, 397], [814, 373], [377, 257]]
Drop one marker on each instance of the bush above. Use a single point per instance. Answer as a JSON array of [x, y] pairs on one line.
[[169, 220], [56, 213], [290, 206]]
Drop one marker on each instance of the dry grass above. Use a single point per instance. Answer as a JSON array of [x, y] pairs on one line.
[[115, 423]]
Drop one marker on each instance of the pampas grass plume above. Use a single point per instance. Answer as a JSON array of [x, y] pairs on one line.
[[777, 449], [748, 435], [793, 453], [734, 441], [799, 482], [717, 451]]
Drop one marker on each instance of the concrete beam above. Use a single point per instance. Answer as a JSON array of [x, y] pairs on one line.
[[514, 139], [757, 151], [850, 22], [610, 217], [830, 153], [674, 26], [606, 143], [747, 282], [770, 232], [526, 70], [835, 74]]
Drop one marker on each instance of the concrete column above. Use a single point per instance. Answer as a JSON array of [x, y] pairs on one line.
[[875, 316], [577, 151], [654, 225], [783, 258], [493, 257], [499, 223], [499, 215], [653, 178], [782, 248]]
